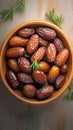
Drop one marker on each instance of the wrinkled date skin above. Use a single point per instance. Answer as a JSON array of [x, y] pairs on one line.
[[51, 53], [38, 55], [32, 44], [29, 91], [25, 78], [45, 92], [53, 73], [13, 65], [26, 32], [39, 76], [64, 68], [62, 57], [46, 33], [17, 41], [12, 79], [43, 42], [58, 44], [15, 52], [59, 81], [24, 65]]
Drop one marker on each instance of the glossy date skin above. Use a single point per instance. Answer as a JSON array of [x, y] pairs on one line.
[[44, 92], [26, 32], [12, 79], [15, 52], [39, 76], [32, 44], [24, 65], [46, 33]]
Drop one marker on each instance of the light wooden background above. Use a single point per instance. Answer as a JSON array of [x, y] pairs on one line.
[[57, 115]]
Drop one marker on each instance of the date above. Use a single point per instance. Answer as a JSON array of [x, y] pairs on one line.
[[32, 44], [15, 52], [51, 53], [25, 78], [62, 57], [45, 92], [39, 76], [12, 79], [29, 91], [38, 55], [26, 32], [16, 41], [24, 65], [59, 81], [13, 65], [46, 33], [53, 73]]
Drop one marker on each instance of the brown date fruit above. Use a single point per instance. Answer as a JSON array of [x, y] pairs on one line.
[[53, 73], [43, 42], [29, 91], [58, 44], [44, 66], [38, 55], [51, 53], [59, 81], [44, 92], [25, 78], [13, 65], [46, 33], [62, 57], [24, 65], [15, 52], [26, 32], [64, 68], [12, 79], [39, 76], [32, 44], [17, 41]]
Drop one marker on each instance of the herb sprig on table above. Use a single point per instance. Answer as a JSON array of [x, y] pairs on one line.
[[7, 14], [35, 65], [54, 17], [69, 95]]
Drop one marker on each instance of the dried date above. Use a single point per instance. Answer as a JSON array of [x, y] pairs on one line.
[[46, 33]]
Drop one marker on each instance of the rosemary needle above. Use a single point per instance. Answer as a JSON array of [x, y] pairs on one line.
[[7, 14], [54, 17], [35, 65], [69, 95]]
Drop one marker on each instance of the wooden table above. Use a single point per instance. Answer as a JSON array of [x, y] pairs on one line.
[[57, 115]]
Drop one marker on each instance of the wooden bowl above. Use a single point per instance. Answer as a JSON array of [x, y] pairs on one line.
[[67, 44]]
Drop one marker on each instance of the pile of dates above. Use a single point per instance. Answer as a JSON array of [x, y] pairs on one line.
[[37, 62]]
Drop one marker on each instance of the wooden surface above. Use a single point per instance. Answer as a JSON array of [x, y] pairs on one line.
[[57, 115]]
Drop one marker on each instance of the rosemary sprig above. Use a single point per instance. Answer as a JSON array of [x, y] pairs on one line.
[[69, 95], [7, 14], [35, 65], [19, 6], [54, 17]]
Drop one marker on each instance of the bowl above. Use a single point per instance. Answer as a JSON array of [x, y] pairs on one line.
[[4, 47]]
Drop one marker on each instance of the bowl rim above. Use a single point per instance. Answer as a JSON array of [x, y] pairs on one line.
[[28, 23]]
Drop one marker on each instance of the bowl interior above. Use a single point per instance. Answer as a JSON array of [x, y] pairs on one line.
[[66, 43]]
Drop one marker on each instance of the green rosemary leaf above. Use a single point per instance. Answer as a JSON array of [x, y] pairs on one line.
[[35, 65], [69, 95], [19, 6], [54, 17], [6, 14]]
